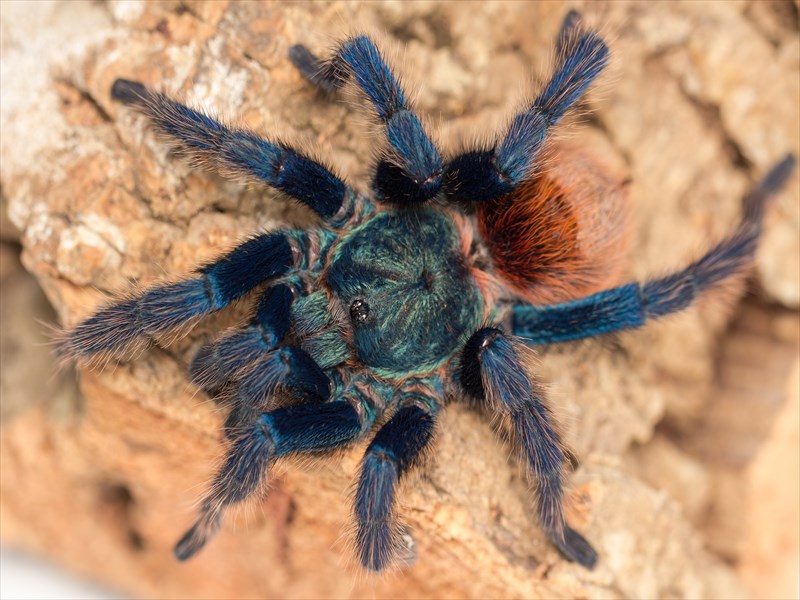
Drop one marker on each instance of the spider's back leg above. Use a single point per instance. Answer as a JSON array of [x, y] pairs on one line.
[[240, 153], [631, 305], [484, 174], [411, 172]]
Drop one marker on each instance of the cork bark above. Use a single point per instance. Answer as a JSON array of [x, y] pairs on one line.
[[671, 424]]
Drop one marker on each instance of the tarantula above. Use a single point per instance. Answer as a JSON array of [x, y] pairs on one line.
[[428, 287]]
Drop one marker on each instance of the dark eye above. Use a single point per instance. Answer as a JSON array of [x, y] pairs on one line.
[[359, 310]]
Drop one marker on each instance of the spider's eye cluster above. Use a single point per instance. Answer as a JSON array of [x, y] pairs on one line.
[[359, 310]]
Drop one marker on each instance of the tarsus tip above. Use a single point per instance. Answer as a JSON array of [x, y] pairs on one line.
[[128, 92]]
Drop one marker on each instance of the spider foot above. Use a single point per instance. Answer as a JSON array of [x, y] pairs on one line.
[[576, 548], [194, 539], [129, 92]]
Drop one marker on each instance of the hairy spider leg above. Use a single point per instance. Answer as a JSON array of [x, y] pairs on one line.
[[569, 25], [492, 370], [411, 171], [631, 305], [288, 367], [320, 74], [215, 364], [168, 306], [396, 448], [288, 430], [289, 370], [482, 175], [247, 366], [319, 345], [238, 152]]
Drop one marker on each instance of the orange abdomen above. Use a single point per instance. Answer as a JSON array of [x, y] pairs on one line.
[[562, 234]]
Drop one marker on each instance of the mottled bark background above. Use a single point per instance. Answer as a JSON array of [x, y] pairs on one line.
[[686, 431]]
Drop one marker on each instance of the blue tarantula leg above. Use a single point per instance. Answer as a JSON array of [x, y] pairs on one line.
[[632, 305], [486, 174], [289, 369], [293, 429], [168, 306], [569, 26], [322, 75], [396, 448], [492, 370], [238, 152], [411, 171], [216, 363]]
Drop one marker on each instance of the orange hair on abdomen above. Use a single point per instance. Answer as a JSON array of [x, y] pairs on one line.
[[563, 233]]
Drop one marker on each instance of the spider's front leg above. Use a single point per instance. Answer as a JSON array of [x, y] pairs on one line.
[[169, 306], [492, 371], [249, 365], [215, 364], [254, 361]]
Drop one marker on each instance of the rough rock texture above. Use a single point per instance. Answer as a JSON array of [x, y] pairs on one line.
[[701, 99], [772, 527]]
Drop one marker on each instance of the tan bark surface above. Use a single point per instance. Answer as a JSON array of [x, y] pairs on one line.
[[701, 99]]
